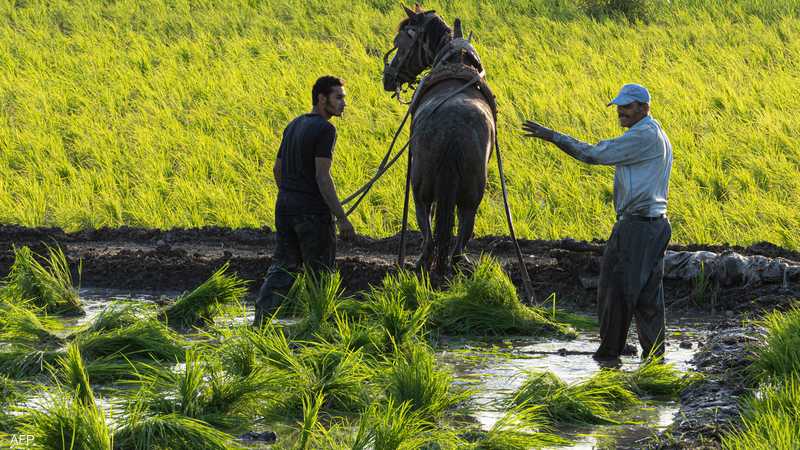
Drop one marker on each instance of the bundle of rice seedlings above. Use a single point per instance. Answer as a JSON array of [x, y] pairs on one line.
[[769, 421], [400, 325], [310, 423], [147, 339], [486, 303], [589, 402], [22, 361], [71, 371], [615, 386], [49, 288], [20, 325], [356, 335], [397, 426], [317, 295], [65, 423], [653, 377], [520, 428], [119, 315], [778, 355], [415, 379], [143, 430], [202, 390], [9, 394], [200, 306], [415, 290]]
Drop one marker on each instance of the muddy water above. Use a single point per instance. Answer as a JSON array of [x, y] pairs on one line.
[[494, 370]]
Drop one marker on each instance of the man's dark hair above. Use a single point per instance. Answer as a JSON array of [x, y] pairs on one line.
[[324, 85]]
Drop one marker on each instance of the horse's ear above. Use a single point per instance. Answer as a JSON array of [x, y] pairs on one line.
[[469, 38], [457, 33], [418, 8], [409, 12]]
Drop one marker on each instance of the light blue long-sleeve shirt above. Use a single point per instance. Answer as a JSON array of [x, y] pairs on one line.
[[643, 160]]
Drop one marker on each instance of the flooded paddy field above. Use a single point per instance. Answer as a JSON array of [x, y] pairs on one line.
[[484, 372]]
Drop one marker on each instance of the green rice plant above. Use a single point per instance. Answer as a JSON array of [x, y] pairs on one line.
[[148, 339], [142, 430], [396, 426], [9, 394], [232, 347], [414, 289], [769, 421], [399, 324], [71, 371], [357, 335], [485, 302], [414, 379], [310, 423], [22, 361], [49, 287], [632, 10], [200, 306], [587, 402], [119, 315], [66, 422], [520, 428], [116, 367], [653, 377], [20, 325], [778, 355], [339, 374], [616, 386], [203, 391], [317, 296]]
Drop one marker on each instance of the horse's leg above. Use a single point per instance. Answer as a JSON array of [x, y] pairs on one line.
[[466, 223], [423, 211]]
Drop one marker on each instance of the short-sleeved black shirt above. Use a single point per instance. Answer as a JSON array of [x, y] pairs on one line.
[[306, 137]]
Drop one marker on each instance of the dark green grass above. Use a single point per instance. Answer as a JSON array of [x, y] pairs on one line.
[[485, 302], [200, 306], [49, 287], [778, 355]]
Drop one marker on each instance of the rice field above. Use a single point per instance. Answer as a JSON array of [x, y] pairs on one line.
[[163, 113], [370, 371]]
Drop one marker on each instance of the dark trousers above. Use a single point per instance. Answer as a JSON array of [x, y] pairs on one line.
[[307, 240], [631, 285]]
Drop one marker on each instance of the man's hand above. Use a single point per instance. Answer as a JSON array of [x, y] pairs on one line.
[[536, 130], [346, 230]]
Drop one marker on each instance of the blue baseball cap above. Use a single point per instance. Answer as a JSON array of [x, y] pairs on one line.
[[630, 93]]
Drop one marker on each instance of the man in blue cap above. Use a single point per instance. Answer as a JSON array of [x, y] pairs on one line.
[[633, 260]]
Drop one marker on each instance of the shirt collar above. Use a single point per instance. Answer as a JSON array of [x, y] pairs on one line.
[[645, 120]]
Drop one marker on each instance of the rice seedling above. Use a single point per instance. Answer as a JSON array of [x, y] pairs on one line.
[[310, 424], [71, 371], [147, 339], [521, 428], [778, 355], [396, 426], [22, 361], [589, 402], [48, 288], [142, 430], [317, 296], [653, 377], [485, 302], [357, 335], [770, 420], [414, 289], [66, 422], [415, 379], [20, 325], [200, 306], [203, 391], [119, 314], [399, 324]]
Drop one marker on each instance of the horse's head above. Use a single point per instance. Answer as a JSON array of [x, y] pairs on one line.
[[419, 36]]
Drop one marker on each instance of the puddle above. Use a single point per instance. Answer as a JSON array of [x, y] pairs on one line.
[[495, 369]]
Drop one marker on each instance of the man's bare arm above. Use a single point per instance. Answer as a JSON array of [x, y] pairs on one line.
[[328, 190]]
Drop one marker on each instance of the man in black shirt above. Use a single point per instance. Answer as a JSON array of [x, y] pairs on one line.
[[307, 200]]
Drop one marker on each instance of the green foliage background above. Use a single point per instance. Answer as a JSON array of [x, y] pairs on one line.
[[165, 113]]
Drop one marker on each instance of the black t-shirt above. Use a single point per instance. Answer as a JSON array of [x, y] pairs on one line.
[[306, 137]]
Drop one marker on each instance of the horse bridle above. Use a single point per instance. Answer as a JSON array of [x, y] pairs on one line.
[[422, 52]]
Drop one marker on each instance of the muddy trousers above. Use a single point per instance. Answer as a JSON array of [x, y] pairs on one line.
[[307, 240], [631, 285]]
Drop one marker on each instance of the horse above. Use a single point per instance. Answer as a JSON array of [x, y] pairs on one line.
[[452, 131]]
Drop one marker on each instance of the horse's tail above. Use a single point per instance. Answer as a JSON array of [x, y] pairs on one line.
[[447, 183]]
